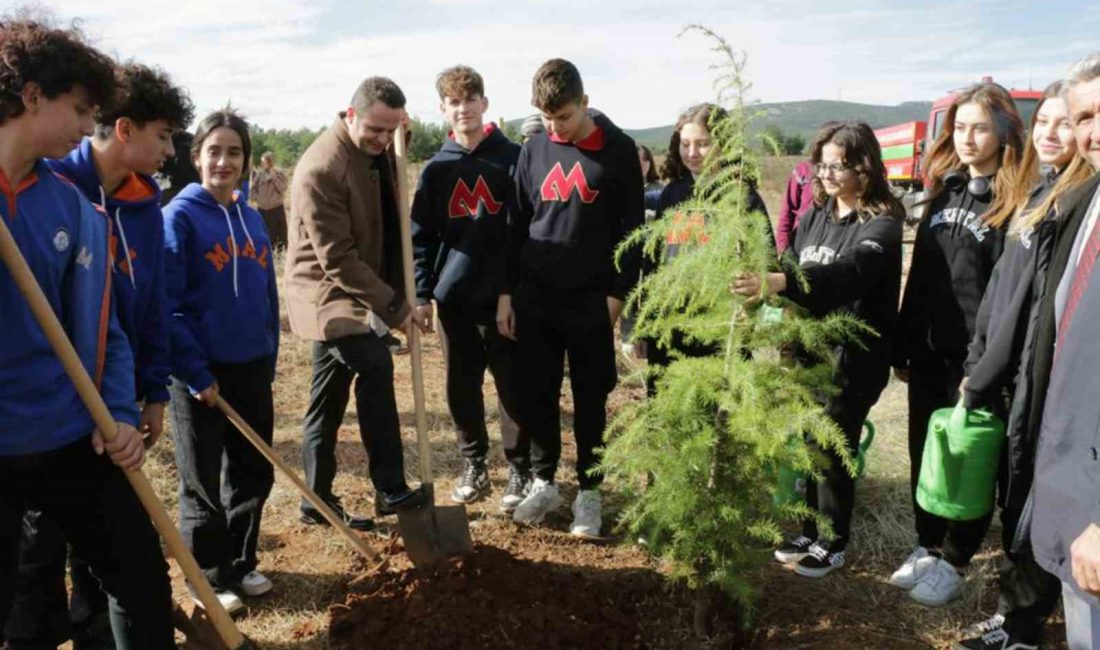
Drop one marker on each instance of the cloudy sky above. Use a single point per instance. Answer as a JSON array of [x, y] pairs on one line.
[[291, 63]]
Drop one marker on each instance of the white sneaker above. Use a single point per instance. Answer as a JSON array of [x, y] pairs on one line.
[[939, 582], [907, 575], [587, 520], [542, 499], [230, 601], [255, 584]]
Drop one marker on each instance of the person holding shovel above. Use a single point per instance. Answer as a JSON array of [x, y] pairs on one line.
[[52, 459], [225, 338], [459, 214], [113, 169], [344, 291]]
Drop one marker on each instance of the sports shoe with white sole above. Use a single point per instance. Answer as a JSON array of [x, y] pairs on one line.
[[542, 499], [991, 635], [793, 550], [939, 584], [473, 483], [519, 484], [587, 517], [907, 574], [230, 601], [255, 584], [819, 562]]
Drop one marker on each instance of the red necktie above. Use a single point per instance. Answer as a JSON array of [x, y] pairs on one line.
[[1080, 281]]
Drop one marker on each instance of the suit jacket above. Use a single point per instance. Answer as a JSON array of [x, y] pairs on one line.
[[343, 253], [1067, 466]]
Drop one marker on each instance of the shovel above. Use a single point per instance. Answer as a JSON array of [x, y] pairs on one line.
[[105, 422], [431, 533]]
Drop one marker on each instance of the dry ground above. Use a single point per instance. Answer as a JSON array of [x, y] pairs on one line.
[[852, 609]]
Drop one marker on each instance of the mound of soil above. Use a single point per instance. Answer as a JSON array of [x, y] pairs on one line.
[[520, 587]]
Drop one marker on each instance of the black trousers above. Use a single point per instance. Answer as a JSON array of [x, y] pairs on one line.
[[1028, 594], [471, 343], [224, 480], [834, 494], [365, 359], [550, 328], [933, 384], [41, 615], [96, 510], [275, 220]]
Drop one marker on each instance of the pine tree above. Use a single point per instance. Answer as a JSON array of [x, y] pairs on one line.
[[699, 460]]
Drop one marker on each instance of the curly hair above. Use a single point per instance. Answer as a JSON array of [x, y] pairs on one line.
[[458, 82], [701, 114], [863, 155], [57, 60], [146, 95]]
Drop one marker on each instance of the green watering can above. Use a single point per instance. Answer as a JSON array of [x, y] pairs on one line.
[[792, 485], [959, 466]]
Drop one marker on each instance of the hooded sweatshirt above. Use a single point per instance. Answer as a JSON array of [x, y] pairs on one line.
[[851, 264], [64, 241], [574, 203], [459, 215], [680, 190], [222, 291], [138, 276], [953, 258]]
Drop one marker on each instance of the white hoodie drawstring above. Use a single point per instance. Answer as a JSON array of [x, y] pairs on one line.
[[121, 234], [233, 245], [247, 234]]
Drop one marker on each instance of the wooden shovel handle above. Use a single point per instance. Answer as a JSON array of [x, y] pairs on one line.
[[105, 422], [422, 442], [265, 449]]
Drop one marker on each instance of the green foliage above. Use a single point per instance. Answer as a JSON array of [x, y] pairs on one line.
[[287, 145], [779, 143], [427, 139], [699, 460]]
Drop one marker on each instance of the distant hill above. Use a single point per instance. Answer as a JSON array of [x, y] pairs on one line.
[[802, 118]]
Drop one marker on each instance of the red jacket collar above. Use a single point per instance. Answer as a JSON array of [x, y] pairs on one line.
[[592, 142]]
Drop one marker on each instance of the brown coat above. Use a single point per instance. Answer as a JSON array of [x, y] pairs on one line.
[[334, 261]]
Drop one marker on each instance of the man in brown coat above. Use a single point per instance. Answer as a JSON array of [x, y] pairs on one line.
[[344, 290], [268, 189]]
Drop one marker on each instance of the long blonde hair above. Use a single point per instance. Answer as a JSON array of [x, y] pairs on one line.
[[943, 159]]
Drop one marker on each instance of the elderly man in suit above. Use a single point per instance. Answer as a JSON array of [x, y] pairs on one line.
[[344, 291]]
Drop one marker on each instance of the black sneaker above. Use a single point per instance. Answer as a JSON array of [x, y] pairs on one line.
[[794, 550], [819, 562], [518, 486], [990, 635], [313, 517], [388, 503], [474, 482]]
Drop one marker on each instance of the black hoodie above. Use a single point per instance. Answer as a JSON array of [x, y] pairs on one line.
[[851, 264], [459, 215], [953, 258], [574, 204]]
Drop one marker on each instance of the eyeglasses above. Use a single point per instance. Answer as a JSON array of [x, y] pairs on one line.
[[821, 169]]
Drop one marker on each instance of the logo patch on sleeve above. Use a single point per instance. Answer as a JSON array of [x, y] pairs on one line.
[[61, 240]]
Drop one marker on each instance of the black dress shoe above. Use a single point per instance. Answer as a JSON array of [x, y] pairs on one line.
[[388, 503], [314, 517]]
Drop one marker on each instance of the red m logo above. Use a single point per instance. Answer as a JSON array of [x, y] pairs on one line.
[[559, 187], [464, 201]]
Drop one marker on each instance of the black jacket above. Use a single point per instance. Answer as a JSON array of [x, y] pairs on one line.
[[953, 258], [459, 216], [680, 190], [852, 265], [1004, 342], [1066, 409], [574, 204]]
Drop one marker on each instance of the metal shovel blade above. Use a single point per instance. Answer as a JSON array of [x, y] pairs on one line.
[[434, 533]]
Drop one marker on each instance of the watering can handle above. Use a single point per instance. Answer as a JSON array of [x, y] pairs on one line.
[[958, 417], [868, 437]]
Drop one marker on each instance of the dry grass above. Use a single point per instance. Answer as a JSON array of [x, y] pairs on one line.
[[310, 565]]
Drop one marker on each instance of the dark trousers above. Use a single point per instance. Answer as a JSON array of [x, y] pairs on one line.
[[96, 510], [551, 328], [471, 343], [834, 494], [365, 359], [1028, 594], [224, 480], [41, 614], [275, 220], [933, 384]]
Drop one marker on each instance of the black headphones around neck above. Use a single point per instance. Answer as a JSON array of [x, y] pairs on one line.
[[980, 187]]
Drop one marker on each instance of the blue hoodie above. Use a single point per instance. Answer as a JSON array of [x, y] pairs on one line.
[[138, 278], [64, 240], [222, 291]]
